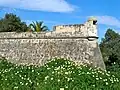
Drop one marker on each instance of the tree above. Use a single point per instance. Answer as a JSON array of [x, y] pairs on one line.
[[38, 27], [110, 35], [12, 23], [110, 47]]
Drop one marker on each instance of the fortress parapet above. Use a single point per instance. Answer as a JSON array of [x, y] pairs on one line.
[[87, 29]]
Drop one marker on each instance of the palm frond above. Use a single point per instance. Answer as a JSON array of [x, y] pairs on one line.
[[41, 23], [38, 26], [33, 25], [44, 28]]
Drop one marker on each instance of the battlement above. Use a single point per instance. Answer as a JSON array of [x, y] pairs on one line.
[[89, 28], [70, 25]]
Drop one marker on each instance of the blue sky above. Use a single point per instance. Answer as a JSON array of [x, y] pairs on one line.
[[56, 12]]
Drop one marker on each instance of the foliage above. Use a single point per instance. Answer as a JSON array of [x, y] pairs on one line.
[[38, 27], [57, 74], [110, 35], [12, 23], [110, 47]]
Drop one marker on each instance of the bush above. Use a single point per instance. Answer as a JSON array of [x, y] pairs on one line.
[[56, 74]]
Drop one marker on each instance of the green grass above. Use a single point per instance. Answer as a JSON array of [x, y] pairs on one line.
[[57, 74]]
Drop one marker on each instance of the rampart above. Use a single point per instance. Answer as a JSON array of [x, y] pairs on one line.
[[75, 42]]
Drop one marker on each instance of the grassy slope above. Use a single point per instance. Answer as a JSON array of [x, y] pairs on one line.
[[56, 74]]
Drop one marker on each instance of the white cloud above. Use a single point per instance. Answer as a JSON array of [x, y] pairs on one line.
[[108, 20], [42, 5]]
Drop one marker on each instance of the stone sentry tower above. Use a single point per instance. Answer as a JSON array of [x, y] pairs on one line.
[[76, 42], [89, 31]]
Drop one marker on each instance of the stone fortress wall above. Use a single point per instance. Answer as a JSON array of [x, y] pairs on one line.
[[75, 42]]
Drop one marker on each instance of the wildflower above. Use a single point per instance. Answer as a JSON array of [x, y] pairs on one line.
[[37, 83], [25, 75], [28, 78], [57, 68], [21, 83], [113, 75], [58, 72], [68, 79], [112, 81], [97, 78], [114, 63], [66, 73], [105, 80], [58, 80], [117, 80], [16, 87], [33, 70], [100, 78], [38, 73], [88, 72], [106, 83], [66, 86], [73, 72], [5, 70], [30, 81], [46, 77], [51, 78], [48, 68], [28, 67], [53, 72], [26, 84], [22, 78], [61, 88], [107, 74], [17, 71]]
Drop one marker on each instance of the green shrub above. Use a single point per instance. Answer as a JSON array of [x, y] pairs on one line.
[[56, 74]]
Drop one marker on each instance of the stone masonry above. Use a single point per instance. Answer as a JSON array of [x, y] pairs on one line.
[[75, 42]]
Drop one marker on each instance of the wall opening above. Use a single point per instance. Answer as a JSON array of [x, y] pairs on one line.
[[94, 22]]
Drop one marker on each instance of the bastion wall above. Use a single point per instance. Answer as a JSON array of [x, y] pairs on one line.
[[76, 42]]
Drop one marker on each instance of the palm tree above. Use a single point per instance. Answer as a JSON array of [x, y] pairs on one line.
[[38, 27]]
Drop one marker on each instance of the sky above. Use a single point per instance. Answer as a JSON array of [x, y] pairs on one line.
[[57, 12]]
